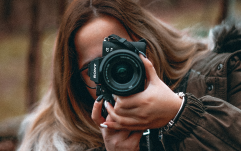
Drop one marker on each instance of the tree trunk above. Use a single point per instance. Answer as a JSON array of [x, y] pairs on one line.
[[34, 57], [7, 10], [62, 4]]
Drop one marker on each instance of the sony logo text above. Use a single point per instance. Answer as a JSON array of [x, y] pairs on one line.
[[94, 72]]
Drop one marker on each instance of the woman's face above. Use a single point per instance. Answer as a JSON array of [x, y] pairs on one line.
[[88, 42]]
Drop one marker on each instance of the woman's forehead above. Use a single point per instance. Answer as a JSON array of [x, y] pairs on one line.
[[89, 38]]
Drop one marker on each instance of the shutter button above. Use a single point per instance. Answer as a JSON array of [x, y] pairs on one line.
[[210, 87], [220, 66]]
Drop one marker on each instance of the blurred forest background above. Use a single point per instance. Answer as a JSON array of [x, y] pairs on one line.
[[28, 29]]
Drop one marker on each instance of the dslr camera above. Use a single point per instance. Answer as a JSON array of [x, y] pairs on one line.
[[120, 70]]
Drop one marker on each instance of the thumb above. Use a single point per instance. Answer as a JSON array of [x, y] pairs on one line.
[[150, 70]]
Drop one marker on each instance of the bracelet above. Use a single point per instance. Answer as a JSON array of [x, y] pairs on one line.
[[171, 122]]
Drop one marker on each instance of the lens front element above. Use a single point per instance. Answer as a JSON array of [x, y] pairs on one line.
[[122, 72]]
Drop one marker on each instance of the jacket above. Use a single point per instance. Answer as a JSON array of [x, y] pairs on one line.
[[211, 118]]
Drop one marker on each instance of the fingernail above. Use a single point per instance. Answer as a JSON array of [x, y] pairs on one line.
[[106, 104], [114, 96], [99, 98], [103, 125], [142, 54]]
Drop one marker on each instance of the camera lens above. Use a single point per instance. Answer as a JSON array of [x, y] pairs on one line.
[[122, 72]]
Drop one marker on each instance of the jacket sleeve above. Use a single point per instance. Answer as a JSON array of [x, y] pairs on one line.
[[209, 123]]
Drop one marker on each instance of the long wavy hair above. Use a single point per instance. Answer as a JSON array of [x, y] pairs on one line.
[[62, 121]]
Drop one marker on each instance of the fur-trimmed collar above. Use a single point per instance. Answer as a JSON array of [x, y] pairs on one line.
[[227, 37]]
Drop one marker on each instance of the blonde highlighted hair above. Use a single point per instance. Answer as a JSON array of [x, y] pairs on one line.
[[63, 121]]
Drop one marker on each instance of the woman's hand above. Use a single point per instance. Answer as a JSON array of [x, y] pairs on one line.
[[152, 108], [115, 140]]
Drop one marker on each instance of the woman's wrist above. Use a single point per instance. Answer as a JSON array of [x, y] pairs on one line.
[[181, 96]]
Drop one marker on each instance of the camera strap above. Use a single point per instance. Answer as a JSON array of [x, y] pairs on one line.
[[150, 142], [123, 41]]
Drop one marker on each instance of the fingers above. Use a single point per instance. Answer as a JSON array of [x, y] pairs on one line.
[[136, 135], [124, 102], [117, 126], [150, 70], [96, 111], [120, 119]]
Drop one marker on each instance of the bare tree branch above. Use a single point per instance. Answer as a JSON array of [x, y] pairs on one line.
[[34, 56]]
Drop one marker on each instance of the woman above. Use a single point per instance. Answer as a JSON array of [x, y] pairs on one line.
[[69, 118]]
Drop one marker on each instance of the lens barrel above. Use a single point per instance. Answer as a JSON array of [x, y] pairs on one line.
[[122, 72]]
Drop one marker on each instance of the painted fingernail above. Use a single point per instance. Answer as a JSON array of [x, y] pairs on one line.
[[114, 96], [142, 54], [99, 98], [103, 125], [106, 104]]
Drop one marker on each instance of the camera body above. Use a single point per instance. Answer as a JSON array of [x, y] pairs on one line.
[[120, 70]]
